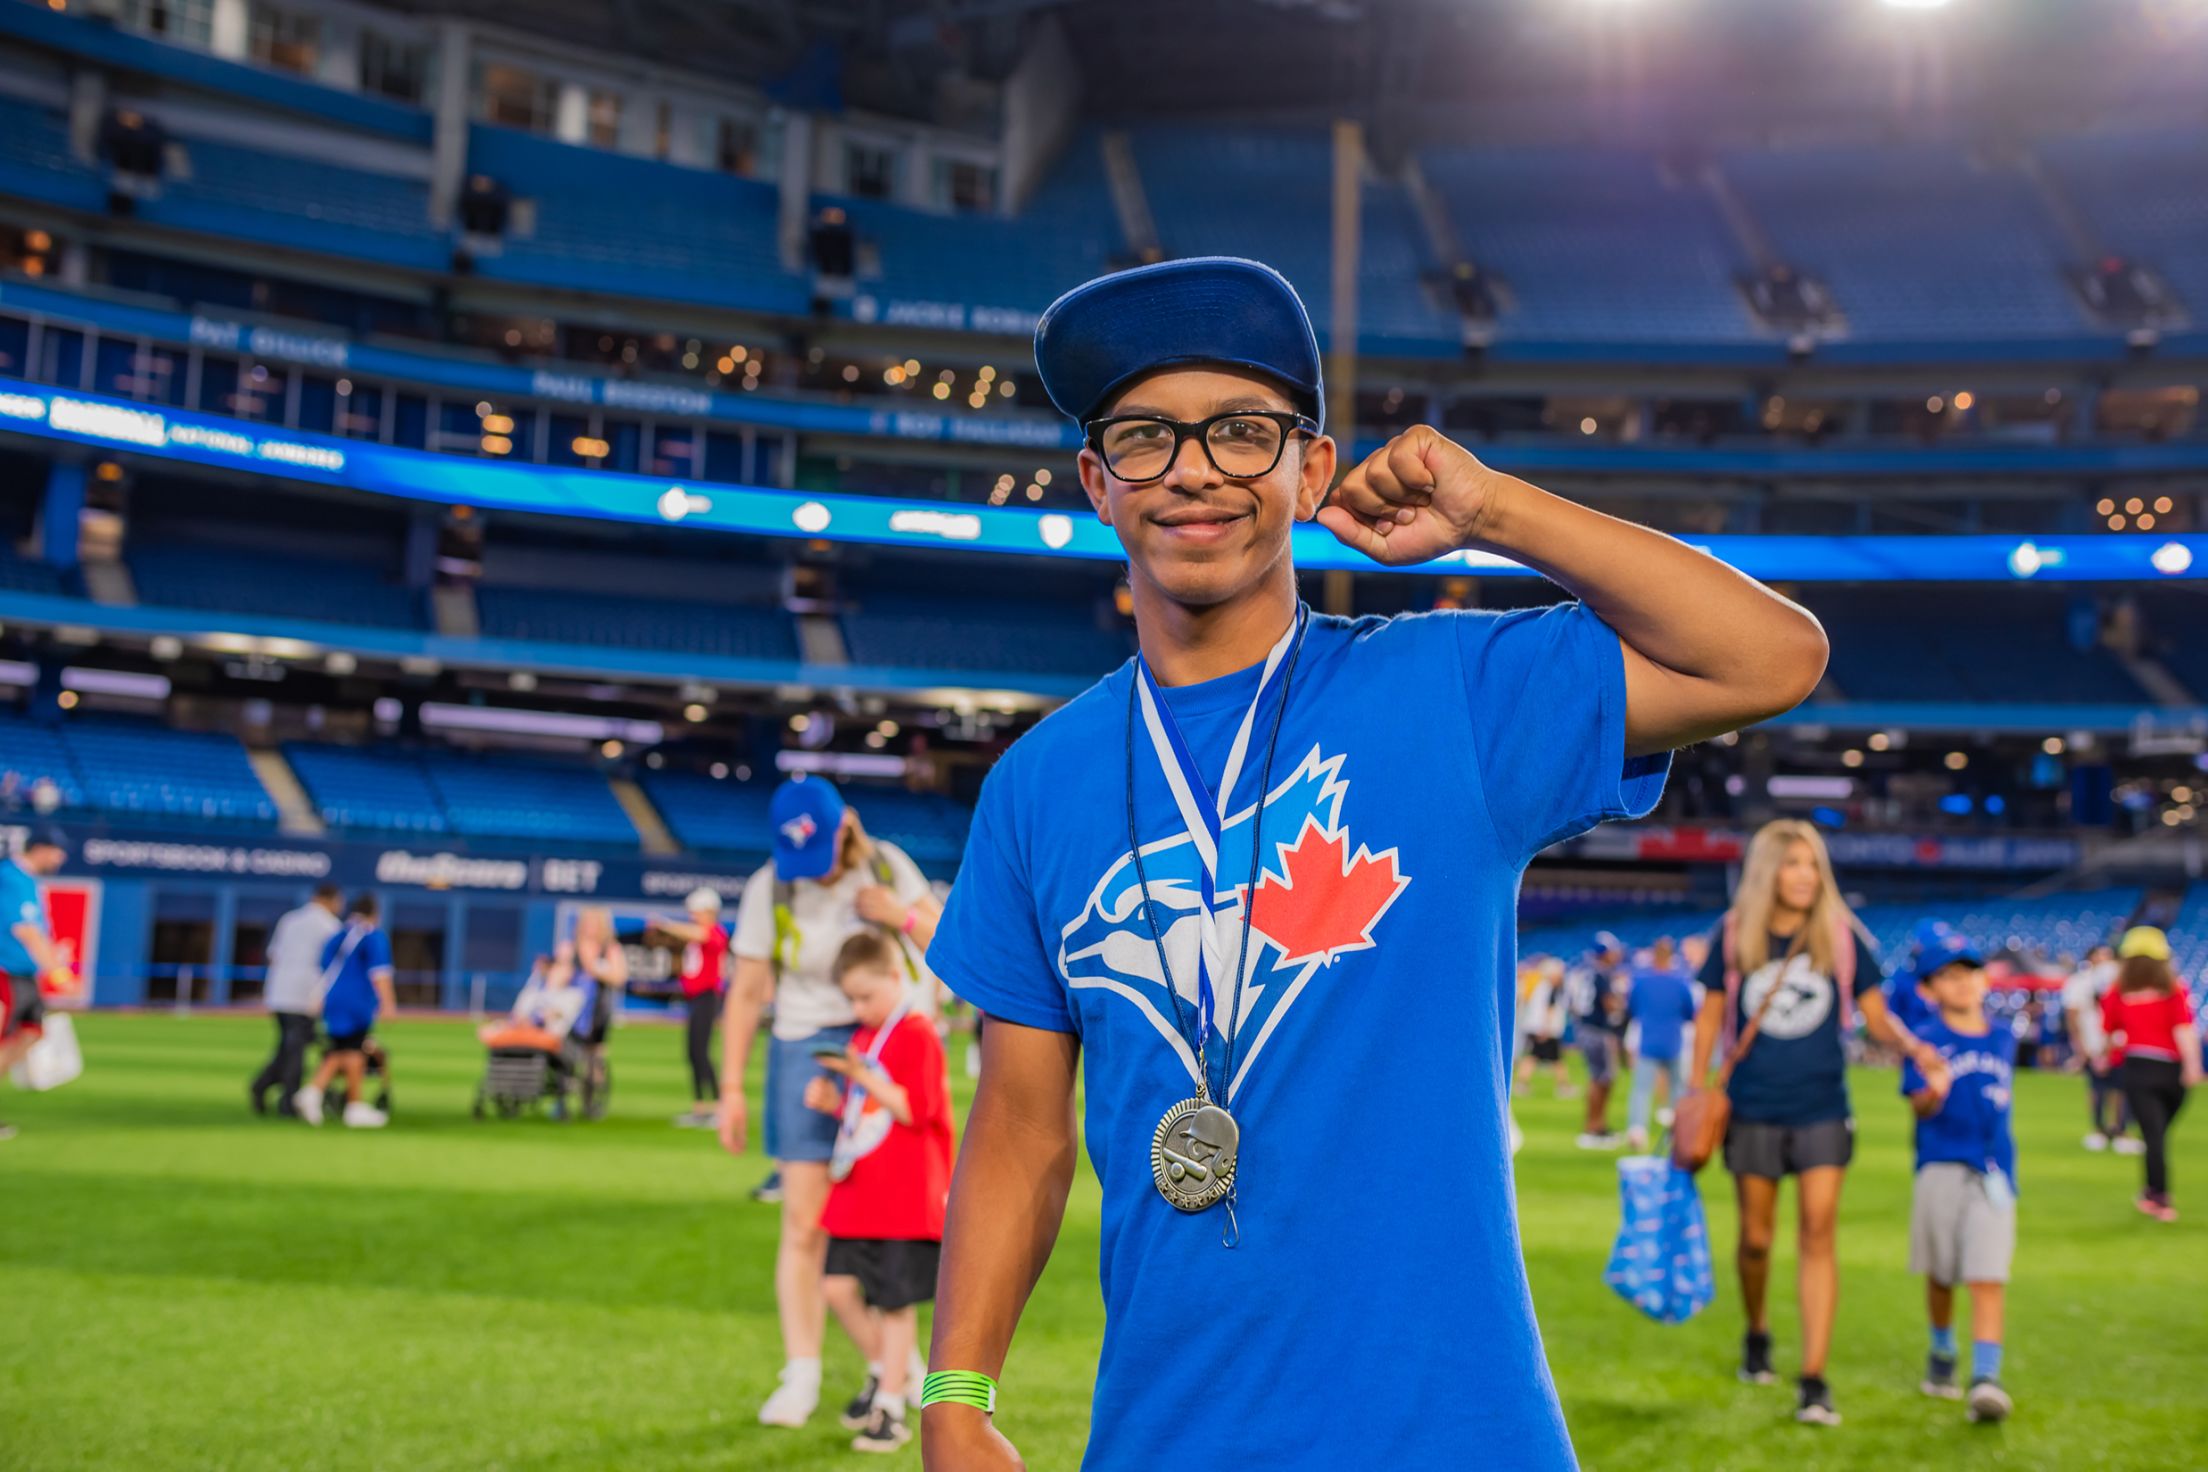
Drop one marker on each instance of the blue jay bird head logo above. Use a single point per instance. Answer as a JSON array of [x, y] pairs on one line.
[[800, 830], [1319, 896]]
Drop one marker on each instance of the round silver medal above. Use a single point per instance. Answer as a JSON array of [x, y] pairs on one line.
[[1192, 1154]]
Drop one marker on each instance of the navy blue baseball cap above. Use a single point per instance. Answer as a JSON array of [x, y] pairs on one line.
[[807, 812], [47, 836], [1936, 944], [1207, 309]]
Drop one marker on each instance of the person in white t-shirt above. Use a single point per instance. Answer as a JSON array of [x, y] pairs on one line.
[[827, 881], [2081, 1002], [293, 992]]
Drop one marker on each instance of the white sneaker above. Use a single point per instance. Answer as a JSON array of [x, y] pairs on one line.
[[362, 1115], [1664, 1117], [2126, 1145], [2096, 1141], [916, 1374], [1596, 1142], [792, 1403], [309, 1105], [1517, 1136]]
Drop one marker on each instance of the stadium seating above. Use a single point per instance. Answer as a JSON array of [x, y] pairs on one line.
[[1916, 240], [562, 617], [731, 817], [1924, 646], [712, 815], [2147, 196], [1065, 235], [35, 161], [2048, 927], [1594, 244], [307, 204], [19, 575], [982, 635], [636, 226], [136, 767], [1268, 194], [369, 790], [31, 752], [236, 580], [517, 797]]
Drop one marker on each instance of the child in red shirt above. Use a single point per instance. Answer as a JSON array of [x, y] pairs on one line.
[[892, 1173], [2154, 1045]]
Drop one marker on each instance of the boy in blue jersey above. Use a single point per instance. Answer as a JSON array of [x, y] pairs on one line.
[[1272, 865], [356, 979], [1962, 1226]]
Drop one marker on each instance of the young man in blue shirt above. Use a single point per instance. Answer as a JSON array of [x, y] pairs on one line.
[[1290, 1250], [1962, 1223], [28, 956], [357, 984]]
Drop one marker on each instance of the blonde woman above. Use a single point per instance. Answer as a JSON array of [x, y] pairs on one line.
[[1786, 973]]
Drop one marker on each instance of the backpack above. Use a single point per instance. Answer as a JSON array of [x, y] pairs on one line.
[[787, 936]]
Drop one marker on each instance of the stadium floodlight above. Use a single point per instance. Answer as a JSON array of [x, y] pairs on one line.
[[1916, 4]]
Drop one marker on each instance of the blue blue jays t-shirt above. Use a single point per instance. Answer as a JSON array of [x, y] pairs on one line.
[[1662, 1002], [350, 1004], [19, 905], [1796, 1071], [1972, 1127], [1422, 761]]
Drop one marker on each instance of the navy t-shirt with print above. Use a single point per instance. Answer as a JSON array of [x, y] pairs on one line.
[[1422, 761], [1796, 1071]]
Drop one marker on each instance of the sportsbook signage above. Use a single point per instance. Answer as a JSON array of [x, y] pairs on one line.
[[101, 850]]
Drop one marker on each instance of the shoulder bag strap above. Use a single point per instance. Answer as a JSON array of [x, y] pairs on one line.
[[1755, 1023]]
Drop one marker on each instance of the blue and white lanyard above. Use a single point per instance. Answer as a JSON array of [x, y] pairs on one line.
[[854, 1094], [1203, 816]]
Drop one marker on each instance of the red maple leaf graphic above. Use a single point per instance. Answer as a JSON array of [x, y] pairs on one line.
[[1324, 903]]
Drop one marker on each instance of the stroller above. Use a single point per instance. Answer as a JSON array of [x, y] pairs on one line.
[[519, 1077]]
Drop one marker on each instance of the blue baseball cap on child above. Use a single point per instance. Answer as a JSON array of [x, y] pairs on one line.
[[1208, 309], [1936, 944], [807, 812]]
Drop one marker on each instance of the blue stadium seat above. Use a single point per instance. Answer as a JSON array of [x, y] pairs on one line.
[[19, 575], [518, 797], [1594, 244], [2146, 193], [982, 635], [29, 752], [1916, 240], [143, 768], [1065, 235], [372, 790], [711, 814], [561, 617], [35, 161], [1917, 646], [307, 204], [1268, 194], [608, 222], [178, 575]]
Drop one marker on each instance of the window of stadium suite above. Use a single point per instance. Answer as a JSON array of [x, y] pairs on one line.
[[284, 39], [394, 68], [964, 184], [870, 168], [2150, 413], [1608, 418], [745, 145], [180, 958], [417, 929], [516, 97], [187, 22], [255, 916]]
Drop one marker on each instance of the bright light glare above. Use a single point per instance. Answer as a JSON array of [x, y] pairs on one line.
[[1916, 4]]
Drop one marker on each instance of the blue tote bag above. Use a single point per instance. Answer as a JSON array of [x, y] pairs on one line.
[[1661, 1263]]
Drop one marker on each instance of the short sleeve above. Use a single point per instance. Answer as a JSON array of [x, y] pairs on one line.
[[1712, 974], [755, 917], [989, 947], [1870, 972], [376, 952], [1546, 689], [1912, 1078]]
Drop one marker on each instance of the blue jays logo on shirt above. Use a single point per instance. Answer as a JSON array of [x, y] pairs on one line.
[[1320, 896]]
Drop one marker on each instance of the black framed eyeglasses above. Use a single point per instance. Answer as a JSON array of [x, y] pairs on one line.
[[1241, 443]]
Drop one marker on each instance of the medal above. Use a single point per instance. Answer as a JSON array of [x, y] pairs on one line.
[[1192, 1153], [1194, 1149]]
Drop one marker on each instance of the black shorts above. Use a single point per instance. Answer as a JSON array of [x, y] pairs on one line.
[[892, 1274], [22, 1008], [1775, 1151], [349, 1042], [1547, 1050]]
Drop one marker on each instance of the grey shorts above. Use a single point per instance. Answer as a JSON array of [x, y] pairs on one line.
[[1776, 1151], [1957, 1234]]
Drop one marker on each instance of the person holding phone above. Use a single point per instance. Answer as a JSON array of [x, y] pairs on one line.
[[828, 880]]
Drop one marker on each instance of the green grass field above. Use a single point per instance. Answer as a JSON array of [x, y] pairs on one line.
[[183, 1285]]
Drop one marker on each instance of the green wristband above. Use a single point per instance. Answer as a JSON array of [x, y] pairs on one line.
[[959, 1388]]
